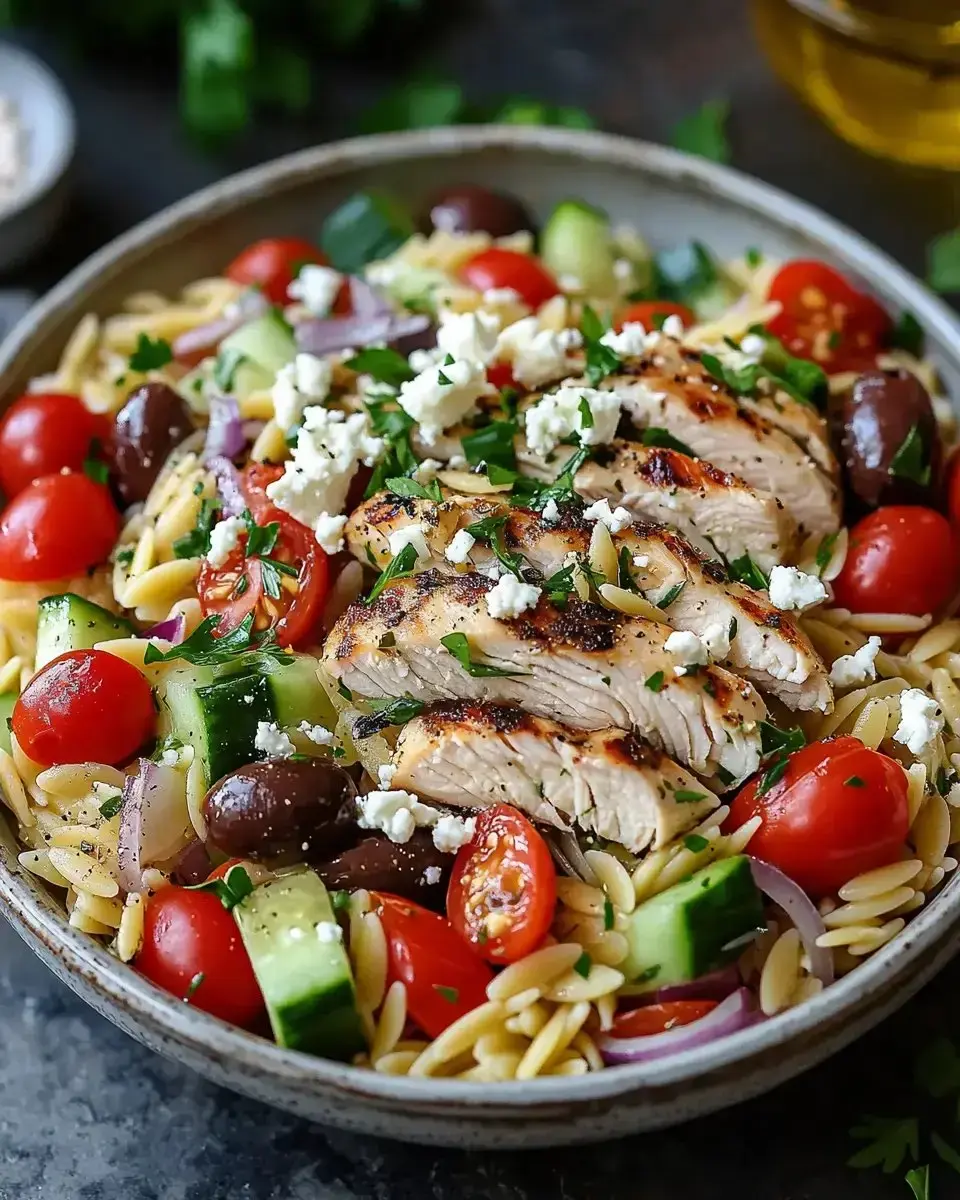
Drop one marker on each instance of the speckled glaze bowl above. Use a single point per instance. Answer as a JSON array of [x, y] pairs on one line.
[[670, 197]]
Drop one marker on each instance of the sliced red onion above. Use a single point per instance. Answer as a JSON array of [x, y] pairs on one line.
[[736, 1012], [368, 301], [225, 431], [228, 485], [154, 823], [203, 341], [194, 864], [172, 630], [716, 985], [324, 335], [802, 912]]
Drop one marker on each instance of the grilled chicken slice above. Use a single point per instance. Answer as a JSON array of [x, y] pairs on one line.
[[769, 647], [801, 421], [584, 665], [609, 782]]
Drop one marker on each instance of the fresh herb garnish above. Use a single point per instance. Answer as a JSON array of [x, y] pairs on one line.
[[261, 539], [753, 256], [493, 444], [150, 354], [225, 368], [825, 551], [195, 983], [235, 886], [908, 334], [625, 578], [655, 681], [95, 468], [367, 225], [943, 262], [745, 570], [459, 647], [489, 531], [947, 1153], [387, 712], [705, 132], [398, 568], [111, 806], [608, 913], [911, 460], [391, 423], [203, 648], [270, 571], [653, 435], [340, 900], [600, 360], [672, 593], [695, 842], [559, 586], [196, 543], [890, 1140], [562, 489], [125, 556], [583, 964], [402, 485], [776, 745], [685, 796], [586, 413], [450, 994]]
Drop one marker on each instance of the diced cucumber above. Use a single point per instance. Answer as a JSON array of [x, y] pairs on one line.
[[7, 701], [414, 287], [367, 226], [265, 345], [693, 927], [289, 930], [629, 245], [296, 693], [68, 622], [576, 240]]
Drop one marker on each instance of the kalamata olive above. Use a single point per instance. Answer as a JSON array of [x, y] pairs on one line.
[[416, 869], [153, 421], [878, 416], [283, 811], [426, 339], [470, 208]]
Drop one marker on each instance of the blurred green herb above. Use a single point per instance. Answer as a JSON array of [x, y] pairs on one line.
[[705, 132], [943, 262]]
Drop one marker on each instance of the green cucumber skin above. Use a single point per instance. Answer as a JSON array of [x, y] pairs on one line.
[[69, 622], [266, 342], [7, 701], [576, 240], [231, 721]]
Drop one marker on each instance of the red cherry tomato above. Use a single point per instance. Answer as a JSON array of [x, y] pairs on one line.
[[650, 314], [658, 1018], [503, 888], [444, 980], [499, 268], [273, 264], [192, 948], [501, 375], [952, 488], [84, 706], [839, 809], [901, 559], [57, 526], [43, 432], [826, 319]]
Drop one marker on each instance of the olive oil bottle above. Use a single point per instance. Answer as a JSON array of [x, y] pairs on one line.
[[884, 74]]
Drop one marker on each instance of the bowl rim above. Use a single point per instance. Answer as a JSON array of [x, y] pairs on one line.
[[35, 915]]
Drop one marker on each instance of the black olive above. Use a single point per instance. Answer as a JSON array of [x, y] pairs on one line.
[[154, 420], [416, 869], [470, 208]]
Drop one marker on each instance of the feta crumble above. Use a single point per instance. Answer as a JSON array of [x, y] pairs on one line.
[[329, 533], [395, 813], [672, 327], [615, 521], [385, 774], [316, 733], [754, 346], [641, 560], [224, 539], [316, 288], [427, 470], [859, 667], [793, 589], [409, 535], [432, 876], [688, 648], [497, 297], [304, 381], [537, 356], [920, 720], [510, 597], [329, 931], [436, 405], [716, 639], [629, 342], [423, 360], [450, 833], [563, 412], [471, 336], [551, 512], [272, 741], [459, 547]]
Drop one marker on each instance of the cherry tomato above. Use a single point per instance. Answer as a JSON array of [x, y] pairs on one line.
[[839, 809], [952, 488], [84, 706], [503, 888], [824, 318], [272, 265], [658, 1018], [901, 559], [192, 948], [41, 433], [255, 480], [499, 268], [650, 314], [57, 526], [501, 375], [444, 980]]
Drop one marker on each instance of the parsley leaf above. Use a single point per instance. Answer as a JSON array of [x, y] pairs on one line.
[[387, 366], [562, 489], [387, 712], [196, 543], [226, 366], [943, 262], [450, 994], [854, 781], [694, 842], [459, 647], [671, 595], [390, 422], [493, 445], [654, 682], [583, 964], [685, 796], [653, 435], [204, 648], [825, 550], [235, 886], [559, 586], [398, 568], [194, 984], [586, 414], [402, 485], [608, 913], [150, 355], [776, 746], [625, 578], [489, 531], [417, 104], [704, 132], [890, 1140], [745, 570], [261, 539], [600, 360], [111, 806], [910, 460], [753, 256], [908, 334], [95, 468]]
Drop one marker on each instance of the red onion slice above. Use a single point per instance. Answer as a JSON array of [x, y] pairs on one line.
[[368, 301], [154, 823], [802, 912], [225, 433], [228, 485], [324, 335], [203, 341], [716, 985], [734, 1013], [172, 630]]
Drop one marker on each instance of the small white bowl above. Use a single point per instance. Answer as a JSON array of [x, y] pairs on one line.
[[30, 216]]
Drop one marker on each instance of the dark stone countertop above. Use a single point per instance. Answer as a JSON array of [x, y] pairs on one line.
[[88, 1114]]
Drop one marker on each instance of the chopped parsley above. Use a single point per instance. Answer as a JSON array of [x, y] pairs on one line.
[[493, 445], [671, 595], [111, 806], [235, 886], [489, 531], [125, 556], [192, 987], [753, 256], [654, 682], [745, 570], [203, 648], [854, 781], [402, 485], [391, 423], [583, 964], [384, 365], [93, 466], [653, 435], [600, 360], [649, 974], [776, 746], [150, 354], [704, 132], [196, 543], [825, 551], [908, 334], [943, 262], [459, 646], [695, 842], [450, 994], [387, 712], [889, 1140], [561, 490], [261, 539], [686, 796], [559, 586], [608, 913], [911, 460], [625, 578], [398, 568], [586, 414]]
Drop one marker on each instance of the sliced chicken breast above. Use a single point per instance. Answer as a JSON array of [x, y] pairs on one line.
[[584, 665], [768, 646], [801, 421], [609, 782]]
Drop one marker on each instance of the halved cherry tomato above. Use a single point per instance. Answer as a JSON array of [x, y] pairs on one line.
[[503, 888], [824, 318], [658, 1018], [902, 559], [192, 948], [501, 375], [444, 980], [254, 481], [84, 706], [650, 314], [274, 263], [43, 432], [499, 268], [57, 526], [952, 488], [839, 809]]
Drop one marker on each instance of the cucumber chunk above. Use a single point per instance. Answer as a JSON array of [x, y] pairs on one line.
[[68, 622], [289, 930], [7, 701], [296, 693], [576, 240], [692, 927], [265, 345]]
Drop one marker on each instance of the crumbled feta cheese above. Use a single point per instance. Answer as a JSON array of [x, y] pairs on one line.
[[791, 588], [851, 669], [432, 876], [570, 339], [615, 521], [428, 470], [537, 356], [272, 741], [495, 297], [641, 560], [103, 792], [458, 462], [304, 381], [629, 342], [672, 327], [169, 757], [450, 833], [409, 535], [423, 360], [561, 413], [570, 283], [248, 698], [511, 597], [716, 639], [316, 288], [224, 539], [314, 484], [920, 720], [551, 512], [688, 648], [754, 346], [622, 270], [329, 931], [436, 405], [316, 733], [471, 336], [459, 547], [385, 774], [396, 813]]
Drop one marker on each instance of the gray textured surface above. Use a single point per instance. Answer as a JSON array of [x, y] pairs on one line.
[[87, 1114]]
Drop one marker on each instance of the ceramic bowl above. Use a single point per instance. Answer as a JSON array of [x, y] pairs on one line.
[[670, 197]]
